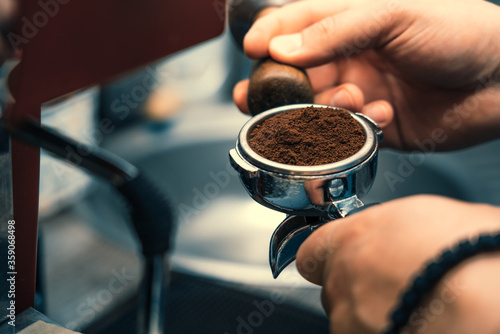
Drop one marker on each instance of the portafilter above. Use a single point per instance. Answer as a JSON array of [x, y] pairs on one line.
[[309, 195]]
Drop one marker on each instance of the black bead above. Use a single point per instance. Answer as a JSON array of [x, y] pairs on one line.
[[434, 272], [464, 249], [448, 258], [399, 318], [410, 300], [497, 241], [485, 243], [420, 285]]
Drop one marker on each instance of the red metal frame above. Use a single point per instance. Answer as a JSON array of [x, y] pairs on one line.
[[79, 43]]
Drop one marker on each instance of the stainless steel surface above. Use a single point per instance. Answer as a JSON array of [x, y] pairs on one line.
[[286, 240], [306, 190], [328, 191]]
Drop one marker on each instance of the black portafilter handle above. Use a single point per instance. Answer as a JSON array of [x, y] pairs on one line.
[[272, 84]]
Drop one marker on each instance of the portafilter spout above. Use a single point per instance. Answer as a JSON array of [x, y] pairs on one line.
[[310, 195]]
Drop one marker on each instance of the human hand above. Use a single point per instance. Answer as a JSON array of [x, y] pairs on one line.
[[426, 71], [365, 261]]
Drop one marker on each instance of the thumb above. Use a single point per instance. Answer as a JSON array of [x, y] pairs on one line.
[[346, 34]]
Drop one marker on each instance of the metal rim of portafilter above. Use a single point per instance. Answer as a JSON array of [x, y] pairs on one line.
[[309, 195], [371, 130], [341, 180]]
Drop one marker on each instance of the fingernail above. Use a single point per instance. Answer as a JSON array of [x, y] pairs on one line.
[[377, 113], [342, 99], [286, 44]]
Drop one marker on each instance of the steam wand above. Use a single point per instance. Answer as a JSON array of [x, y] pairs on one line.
[[150, 212]]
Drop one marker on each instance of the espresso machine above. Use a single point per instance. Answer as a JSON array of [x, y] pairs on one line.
[[65, 46]]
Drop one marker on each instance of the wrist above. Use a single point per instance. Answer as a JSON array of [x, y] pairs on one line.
[[478, 308], [465, 301]]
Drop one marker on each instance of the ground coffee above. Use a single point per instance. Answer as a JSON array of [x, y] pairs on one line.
[[307, 137]]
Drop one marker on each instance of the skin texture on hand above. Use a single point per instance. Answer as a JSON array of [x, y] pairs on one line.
[[424, 70], [366, 260]]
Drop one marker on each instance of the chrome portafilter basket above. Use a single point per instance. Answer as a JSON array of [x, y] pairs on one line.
[[309, 195]]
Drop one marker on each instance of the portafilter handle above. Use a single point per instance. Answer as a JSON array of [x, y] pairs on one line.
[[272, 84], [294, 230]]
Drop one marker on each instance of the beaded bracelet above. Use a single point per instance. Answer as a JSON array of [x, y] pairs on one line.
[[434, 272]]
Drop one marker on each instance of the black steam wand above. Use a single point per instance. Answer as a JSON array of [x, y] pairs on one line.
[[149, 210]]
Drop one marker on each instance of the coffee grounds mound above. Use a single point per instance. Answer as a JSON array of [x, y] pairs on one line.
[[307, 137]]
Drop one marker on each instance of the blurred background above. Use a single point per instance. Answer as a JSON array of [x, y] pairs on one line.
[[180, 134], [176, 121]]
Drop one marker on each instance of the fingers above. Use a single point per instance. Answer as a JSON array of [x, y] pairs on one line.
[[240, 96], [314, 191], [316, 250], [319, 250], [289, 19], [344, 34], [347, 96], [380, 111], [323, 77]]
